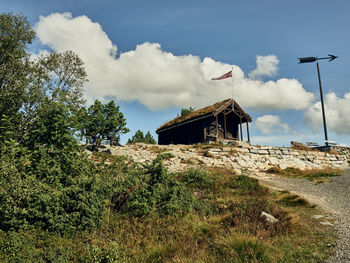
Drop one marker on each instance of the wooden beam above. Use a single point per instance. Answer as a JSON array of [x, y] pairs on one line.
[[240, 125], [217, 128], [223, 107], [248, 132], [224, 126], [228, 112]]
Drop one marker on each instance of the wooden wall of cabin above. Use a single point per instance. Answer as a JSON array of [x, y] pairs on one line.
[[189, 133]]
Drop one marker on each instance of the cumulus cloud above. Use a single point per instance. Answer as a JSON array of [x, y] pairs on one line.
[[265, 66], [337, 114], [271, 124], [159, 79]]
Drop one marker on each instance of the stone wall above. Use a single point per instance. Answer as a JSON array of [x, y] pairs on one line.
[[238, 157]]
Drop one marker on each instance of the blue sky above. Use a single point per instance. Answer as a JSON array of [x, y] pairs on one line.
[[173, 48]]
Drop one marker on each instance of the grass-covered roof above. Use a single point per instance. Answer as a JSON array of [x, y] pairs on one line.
[[206, 111]]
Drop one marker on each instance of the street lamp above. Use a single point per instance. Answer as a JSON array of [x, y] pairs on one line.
[[310, 60]]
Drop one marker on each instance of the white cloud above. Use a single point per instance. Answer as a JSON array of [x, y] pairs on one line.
[[265, 66], [337, 114], [159, 79], [271, 124]]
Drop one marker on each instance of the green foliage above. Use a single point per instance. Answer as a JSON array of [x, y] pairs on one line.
[[248, 185], [15, 34], [102, 122], [196, 178], [166, 155], [155, 192], [29, 87], [149, 138], [186, 111], [49, 189], [65, 78], [138, 137]]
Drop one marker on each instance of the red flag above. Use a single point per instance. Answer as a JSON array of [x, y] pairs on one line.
[[225, 76]]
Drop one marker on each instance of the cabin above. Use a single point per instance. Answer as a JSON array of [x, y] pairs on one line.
[[221, 121]]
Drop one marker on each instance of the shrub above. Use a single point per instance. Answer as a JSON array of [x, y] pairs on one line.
[[166, 156], [153, 192], [197, 178], [248, 185], [48, 189]]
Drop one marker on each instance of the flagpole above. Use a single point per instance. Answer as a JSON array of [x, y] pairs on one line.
[[232, 81]]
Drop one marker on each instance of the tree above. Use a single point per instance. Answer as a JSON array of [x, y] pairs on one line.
[[138, 137], [27, 87], [66, 78], [149, 138], [186, 111], [15, 35], [103, 122]]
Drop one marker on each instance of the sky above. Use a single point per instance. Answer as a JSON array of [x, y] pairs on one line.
[[155, 57]]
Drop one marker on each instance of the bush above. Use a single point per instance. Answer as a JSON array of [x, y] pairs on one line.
[[248, 185], [153, 192], [197, 178], [48, 189], [166, 156]]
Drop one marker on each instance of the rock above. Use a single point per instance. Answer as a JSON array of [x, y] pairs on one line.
[[243, 150], [282, 165], [254, 150], [269, 218], [326, 223], [263, 152], [215, 150], [317, 216]]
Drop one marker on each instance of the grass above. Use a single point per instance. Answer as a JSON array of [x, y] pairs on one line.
[[224, 225], [292, 200], [104, 157], [157, 149], [166, 155], [314, 175]]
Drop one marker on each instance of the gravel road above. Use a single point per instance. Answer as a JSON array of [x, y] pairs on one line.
[[333, 197]]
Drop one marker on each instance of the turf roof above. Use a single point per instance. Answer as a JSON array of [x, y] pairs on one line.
[[201, 113]]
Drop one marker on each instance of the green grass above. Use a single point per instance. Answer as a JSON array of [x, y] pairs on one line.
[[224, 225], [314, 175]]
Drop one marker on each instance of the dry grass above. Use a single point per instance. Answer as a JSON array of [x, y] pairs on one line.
[[303, 147], [157, 149], [315, 175]]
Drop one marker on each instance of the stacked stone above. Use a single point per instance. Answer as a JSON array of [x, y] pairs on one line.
[[243, 156]]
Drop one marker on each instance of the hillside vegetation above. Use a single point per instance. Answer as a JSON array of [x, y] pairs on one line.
[[146, 214]]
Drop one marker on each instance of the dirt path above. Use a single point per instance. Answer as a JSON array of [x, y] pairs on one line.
[[333, 197]]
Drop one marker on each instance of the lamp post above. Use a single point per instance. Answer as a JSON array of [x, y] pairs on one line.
[[310, 60]]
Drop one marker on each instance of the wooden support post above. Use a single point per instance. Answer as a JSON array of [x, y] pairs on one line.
[[224, 126], [240, 126], [248, 132], [217, 128]]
